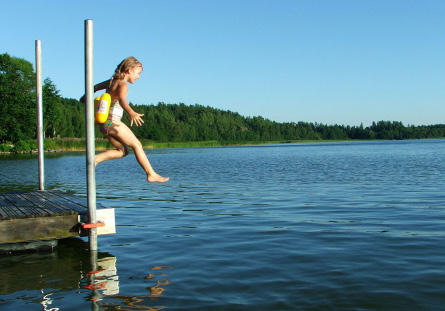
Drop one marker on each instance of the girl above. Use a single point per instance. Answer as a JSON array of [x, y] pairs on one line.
[[119, 134]]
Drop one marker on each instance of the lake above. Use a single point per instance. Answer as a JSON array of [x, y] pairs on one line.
[[319, 226]]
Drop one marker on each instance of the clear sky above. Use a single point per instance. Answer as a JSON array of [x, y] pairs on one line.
[[327, 61]]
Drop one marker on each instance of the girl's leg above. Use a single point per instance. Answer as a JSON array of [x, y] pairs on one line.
[[122, 133], [111, 154]]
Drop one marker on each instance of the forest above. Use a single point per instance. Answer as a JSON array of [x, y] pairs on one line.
[[165, 122]]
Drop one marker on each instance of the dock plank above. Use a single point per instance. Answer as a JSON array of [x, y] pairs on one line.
[[7, 208], [40, 203], [66, 200], [24, 205], [48, 206], [39, 215]]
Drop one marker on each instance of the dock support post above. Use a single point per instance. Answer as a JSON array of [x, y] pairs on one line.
[[40, 114], [90, 144]]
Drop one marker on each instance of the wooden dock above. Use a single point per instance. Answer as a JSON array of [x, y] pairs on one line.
[[26, 217]]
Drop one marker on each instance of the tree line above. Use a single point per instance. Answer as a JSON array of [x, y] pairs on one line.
[[65, 118]]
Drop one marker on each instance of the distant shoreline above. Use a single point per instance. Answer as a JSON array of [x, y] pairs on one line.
[[78, 144]]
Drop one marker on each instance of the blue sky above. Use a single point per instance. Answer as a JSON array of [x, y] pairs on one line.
[[327, 61]]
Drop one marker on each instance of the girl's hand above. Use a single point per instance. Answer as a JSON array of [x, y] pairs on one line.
[[136, 118]]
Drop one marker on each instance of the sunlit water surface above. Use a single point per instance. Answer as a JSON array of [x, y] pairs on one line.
[[323, 226]]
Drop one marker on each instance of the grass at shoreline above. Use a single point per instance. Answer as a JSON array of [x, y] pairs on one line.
[[103, 144]]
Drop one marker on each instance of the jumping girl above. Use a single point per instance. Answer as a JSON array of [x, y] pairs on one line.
[[119, 134]]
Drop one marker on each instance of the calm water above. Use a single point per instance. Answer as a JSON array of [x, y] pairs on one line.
[[337, 226]]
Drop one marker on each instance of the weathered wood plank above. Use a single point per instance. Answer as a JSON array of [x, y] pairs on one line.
[[39, 215], [48, 206], [38, 228], [4, 201], [7, 209], [66, 200], [27, 207], [40, 203]]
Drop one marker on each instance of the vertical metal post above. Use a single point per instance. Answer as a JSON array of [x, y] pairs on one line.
[[90, 146], [40, 114]]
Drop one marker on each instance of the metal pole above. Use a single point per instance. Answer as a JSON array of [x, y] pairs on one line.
[[40, 114], [90, 146]]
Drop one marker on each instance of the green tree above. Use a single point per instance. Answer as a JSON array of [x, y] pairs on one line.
[[17, 99], [73, 124], [52, 110]]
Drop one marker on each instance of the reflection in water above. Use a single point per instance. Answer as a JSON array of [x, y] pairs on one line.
[[108, 276], [56, 274], [61, 268], [102, 279], [46, 302], [140, 302], [157, 290], [53, 279]]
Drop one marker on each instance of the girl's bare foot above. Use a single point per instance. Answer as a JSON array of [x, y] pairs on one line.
[[156, 178]]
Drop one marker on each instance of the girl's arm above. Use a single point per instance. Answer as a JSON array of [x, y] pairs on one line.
[[101, 86], [122, 96], [97, 87]]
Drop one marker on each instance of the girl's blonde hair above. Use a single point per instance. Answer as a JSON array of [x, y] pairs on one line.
[[124, 66]]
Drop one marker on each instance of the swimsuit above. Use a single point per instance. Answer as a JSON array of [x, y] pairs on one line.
[[115, 114]]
